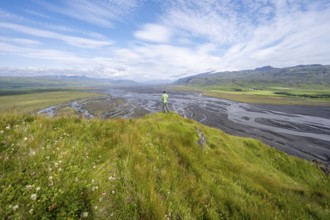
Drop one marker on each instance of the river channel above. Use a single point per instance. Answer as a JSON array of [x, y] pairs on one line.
[[302, 131]]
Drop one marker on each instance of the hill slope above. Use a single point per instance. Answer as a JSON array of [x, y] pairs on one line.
[[149, 168], [311, 76]]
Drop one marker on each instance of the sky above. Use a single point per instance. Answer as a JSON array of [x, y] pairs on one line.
[[145, 40]]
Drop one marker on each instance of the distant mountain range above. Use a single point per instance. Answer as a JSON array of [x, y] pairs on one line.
[[57, 81], [297, 76]]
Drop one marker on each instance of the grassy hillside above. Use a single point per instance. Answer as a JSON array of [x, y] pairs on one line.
[[149, 168]]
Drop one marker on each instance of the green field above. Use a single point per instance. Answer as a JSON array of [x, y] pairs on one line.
[[149, 168], [266, 95], [32, 101]]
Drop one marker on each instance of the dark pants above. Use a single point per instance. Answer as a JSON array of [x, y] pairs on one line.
[[165, 108]]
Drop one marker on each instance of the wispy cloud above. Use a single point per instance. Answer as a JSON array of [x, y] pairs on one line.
[[186, 36], [72, 40], [100, 13]]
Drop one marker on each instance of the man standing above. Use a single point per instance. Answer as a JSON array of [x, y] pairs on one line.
[[164, 100]]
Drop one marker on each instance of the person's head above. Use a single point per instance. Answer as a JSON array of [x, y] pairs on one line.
[[164, 91]]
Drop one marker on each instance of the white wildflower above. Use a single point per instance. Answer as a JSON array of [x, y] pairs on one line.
[[32, 153], [25, 139], [95, 188], [15, 207], [84, 215], [31, 211], [34, 197], [113, 192], [1, 132], [29, 187], [38, 188], [8, 127], [111, 178]]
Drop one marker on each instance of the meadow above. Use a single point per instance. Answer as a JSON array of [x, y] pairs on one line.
[[154, 167], [30, 101], [265, 95]]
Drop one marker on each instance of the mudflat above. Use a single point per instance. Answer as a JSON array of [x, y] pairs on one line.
[[298, 130]]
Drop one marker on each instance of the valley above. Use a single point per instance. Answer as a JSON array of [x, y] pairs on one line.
[[302, 131]]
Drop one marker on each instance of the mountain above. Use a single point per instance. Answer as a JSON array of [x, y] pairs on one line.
[[161, 166], [297, 76], [9, 83]]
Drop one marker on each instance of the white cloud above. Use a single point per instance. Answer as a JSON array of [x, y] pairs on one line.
[[100, 13], [154, 33], [72, 40], [189, 37]]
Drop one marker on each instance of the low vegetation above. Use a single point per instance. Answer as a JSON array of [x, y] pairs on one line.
[[30, 102], [301, 85], [149, 168], [265, 95]]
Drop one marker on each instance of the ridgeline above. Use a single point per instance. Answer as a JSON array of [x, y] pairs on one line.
[[155, 167]]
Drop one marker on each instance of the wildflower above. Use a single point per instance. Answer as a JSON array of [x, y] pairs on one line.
[[95, 188], [50, 177], [25, 139], [95, 207], [32, 153], [56, 164], [94, 167], [59, 169], [8, 127], [15, 207], [29, 187], [84, 215], [34, 197], [1, 132], [31, 211], [38, 188], [111, 178], [113, 192]]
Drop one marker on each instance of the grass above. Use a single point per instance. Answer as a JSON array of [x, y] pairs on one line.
[[149, 168], [30, 102], [268, 95]]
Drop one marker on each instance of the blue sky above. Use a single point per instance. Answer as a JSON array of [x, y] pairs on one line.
[[160, 39]]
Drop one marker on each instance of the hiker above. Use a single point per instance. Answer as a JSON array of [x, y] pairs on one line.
[[164, 101]]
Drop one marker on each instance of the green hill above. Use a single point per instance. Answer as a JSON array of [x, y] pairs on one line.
[[302, 76], [155, 167]]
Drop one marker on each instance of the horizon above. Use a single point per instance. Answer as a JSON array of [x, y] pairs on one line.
[[159, 40]]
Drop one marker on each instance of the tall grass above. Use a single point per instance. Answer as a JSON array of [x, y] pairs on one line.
[[149, 168]]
